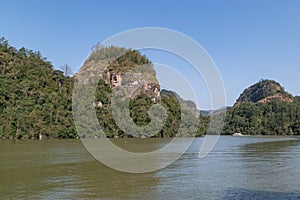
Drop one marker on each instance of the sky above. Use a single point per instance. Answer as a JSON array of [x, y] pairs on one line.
[[247, 40]]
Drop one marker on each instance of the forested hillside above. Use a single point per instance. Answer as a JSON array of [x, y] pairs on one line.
[[264, 91], [35, 99], [122, 70], [264, 108]]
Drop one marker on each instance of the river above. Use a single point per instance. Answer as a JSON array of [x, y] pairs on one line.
[[237, 168]]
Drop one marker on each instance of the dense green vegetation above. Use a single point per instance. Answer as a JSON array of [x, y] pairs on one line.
[[279, 115], [138, 112], [36, 100], [272, 118], [140, 104]]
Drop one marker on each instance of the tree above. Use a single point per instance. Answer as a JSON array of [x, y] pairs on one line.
[[67, 70]]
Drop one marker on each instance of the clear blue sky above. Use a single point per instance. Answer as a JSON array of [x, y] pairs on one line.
[[248, 40]]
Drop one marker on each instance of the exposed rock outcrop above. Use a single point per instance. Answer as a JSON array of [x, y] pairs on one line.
[[121, 67], [264, 91]]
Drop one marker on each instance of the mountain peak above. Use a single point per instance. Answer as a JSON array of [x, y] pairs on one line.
[[264, 91]]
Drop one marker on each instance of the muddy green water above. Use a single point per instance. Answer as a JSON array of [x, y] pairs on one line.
[[237, 168]]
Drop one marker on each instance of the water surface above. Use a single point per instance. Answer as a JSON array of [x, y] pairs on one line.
[[237, 168]]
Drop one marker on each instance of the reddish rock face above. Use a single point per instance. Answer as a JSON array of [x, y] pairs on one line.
[[115, 80], [121, 67]]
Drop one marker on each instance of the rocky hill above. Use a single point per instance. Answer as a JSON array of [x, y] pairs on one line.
[[117, 66], [264, 91], [132, 71]]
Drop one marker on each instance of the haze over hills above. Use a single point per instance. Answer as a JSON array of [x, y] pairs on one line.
[[36, 100]]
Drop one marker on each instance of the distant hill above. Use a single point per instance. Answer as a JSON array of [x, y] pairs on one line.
[[264, 91], [264, 108]]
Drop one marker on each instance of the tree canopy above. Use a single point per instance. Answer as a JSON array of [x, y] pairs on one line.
[[36, 100]]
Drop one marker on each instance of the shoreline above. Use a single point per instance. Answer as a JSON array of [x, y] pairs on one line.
[[129, 138]]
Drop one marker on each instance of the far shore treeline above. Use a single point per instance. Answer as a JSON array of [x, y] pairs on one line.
[[36, 100]]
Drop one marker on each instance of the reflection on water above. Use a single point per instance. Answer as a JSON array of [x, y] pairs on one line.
[[245, 194], [62, 170], [238, 168], [271, 165]]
